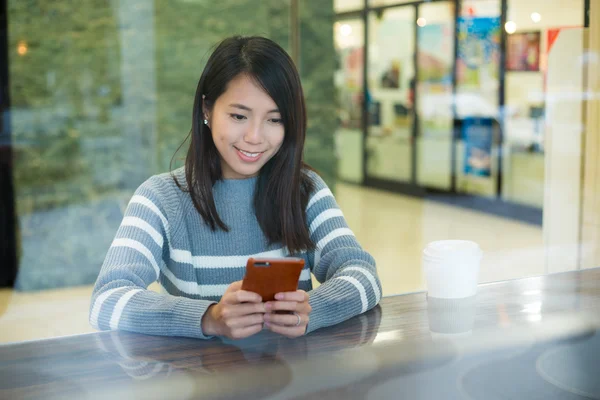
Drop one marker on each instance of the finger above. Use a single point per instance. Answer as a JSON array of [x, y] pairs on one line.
[[240, 310], [288, 306], [246, 332], [303, 308], [235, 286], [290, 332], [245, 321], [241, 296], [297, 296], [281, 306], [288, 320]]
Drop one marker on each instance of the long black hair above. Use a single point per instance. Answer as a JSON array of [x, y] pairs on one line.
[[282, 187]]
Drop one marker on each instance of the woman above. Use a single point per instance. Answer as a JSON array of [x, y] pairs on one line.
[[244, 192]]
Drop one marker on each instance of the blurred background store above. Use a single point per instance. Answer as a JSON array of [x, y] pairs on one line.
[[430, 120], [456, 96]]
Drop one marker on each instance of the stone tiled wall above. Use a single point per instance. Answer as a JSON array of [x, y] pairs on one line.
[[102, 96], [317, 64]]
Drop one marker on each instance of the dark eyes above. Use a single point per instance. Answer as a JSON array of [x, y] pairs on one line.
[[239, 117]]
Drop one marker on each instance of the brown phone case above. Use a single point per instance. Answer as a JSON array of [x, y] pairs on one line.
[[269, 276]]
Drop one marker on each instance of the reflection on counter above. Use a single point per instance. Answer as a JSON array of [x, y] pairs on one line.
[[530, 337], [451, 317]]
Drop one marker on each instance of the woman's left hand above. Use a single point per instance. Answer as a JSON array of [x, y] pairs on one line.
[[293, 323]]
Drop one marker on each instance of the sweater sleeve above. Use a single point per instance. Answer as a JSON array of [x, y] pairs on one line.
[[135, 259], [348, 275]]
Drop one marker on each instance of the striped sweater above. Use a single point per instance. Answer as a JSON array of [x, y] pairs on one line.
[[163, 238]]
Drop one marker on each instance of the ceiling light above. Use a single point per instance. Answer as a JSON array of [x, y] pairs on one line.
[[510, 27], [22, 48], [346, 30]]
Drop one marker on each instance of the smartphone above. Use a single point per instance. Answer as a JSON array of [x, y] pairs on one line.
[[269, 276]]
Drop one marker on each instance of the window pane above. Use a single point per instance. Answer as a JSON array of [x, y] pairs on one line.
[[391, 80], [349, 45], [434, 94], [348, 5]]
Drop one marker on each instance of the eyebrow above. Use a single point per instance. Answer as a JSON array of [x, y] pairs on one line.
[[246, 108]]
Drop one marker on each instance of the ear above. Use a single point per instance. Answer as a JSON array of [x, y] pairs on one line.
[[205, 111]]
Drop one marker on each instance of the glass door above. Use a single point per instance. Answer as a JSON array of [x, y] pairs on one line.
[[478, 105], [348, 78], [391, 52], [434, 95]]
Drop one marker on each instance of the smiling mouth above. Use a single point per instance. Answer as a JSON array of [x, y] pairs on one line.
[[249, 154]]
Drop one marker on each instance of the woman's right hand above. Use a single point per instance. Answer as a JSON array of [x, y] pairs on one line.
[[238, 315]]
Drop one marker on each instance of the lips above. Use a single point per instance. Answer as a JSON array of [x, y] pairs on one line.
[[248, 156], [253, 155]]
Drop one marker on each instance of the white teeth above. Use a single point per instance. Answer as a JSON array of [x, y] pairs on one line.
[[253, 155]]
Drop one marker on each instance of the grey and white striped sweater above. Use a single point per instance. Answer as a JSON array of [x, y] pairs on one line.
[[163, 237]]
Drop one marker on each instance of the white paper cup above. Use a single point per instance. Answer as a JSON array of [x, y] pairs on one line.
[[451, 268]]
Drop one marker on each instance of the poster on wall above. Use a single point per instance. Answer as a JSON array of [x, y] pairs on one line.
[[477, 135], [523, 51], [390, 64], [435, 60], [352, 62], [350, 87], [435, 53], [478, 52]]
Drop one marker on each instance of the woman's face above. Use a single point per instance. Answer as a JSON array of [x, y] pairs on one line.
[[246, 128]]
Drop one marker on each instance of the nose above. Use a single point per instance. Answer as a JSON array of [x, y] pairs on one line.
[[254, 134]]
